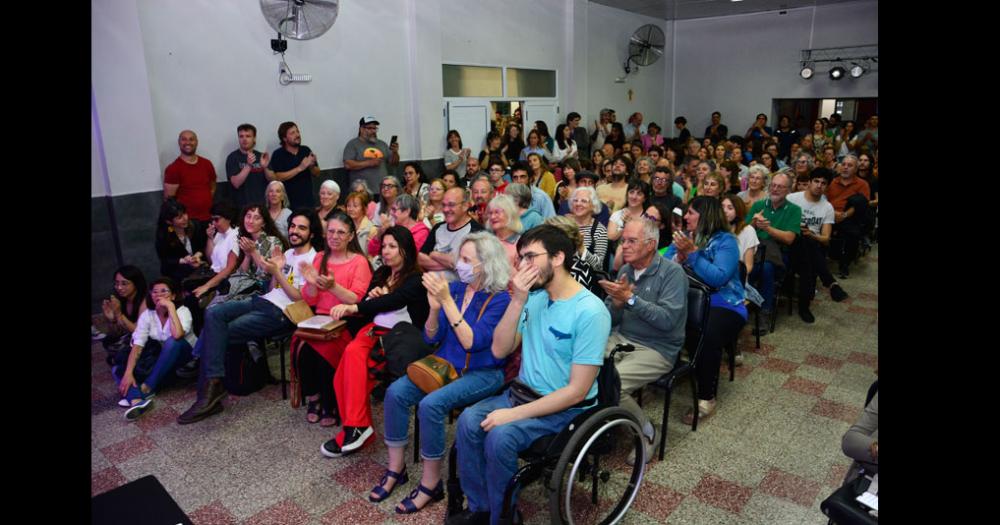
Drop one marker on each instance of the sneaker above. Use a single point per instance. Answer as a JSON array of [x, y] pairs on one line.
[[652, 446], [95, 334], [124, 403], [837, 293], [844, 273], [354, 439], [139, 409], [190, 370], [806, 315]]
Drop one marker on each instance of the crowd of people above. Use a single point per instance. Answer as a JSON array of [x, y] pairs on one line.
[[530, 260]]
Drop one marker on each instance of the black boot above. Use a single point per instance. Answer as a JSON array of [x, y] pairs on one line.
[[210, 396]]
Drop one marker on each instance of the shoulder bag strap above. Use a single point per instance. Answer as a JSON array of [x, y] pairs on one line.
[[593, 236], [468, 355]]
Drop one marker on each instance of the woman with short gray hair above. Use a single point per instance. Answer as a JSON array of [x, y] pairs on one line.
[[503, 219], [583, 205]]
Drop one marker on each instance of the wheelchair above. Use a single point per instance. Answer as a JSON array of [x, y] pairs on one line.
[[587, 477]]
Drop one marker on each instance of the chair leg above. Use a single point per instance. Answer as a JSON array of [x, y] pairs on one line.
[[694, 395], [663, 426], [732, 358], [284, 381], [756, 326], [638, 397]]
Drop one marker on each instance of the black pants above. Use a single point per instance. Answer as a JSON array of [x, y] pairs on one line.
[[316, 376], [723, 326], [809, 260], [850, 230]]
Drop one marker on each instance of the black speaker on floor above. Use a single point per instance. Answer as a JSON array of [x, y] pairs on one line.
[[141, 501]]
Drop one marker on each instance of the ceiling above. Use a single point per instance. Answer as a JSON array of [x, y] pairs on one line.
[[688, 9]]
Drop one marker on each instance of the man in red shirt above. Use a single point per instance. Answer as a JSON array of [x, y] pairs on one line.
[[190, 178], [849, 196]]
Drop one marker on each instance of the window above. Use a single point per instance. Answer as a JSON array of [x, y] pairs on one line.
[[472, 81], [530, 82]]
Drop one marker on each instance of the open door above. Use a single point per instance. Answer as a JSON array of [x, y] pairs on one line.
[[544, 111], [472, 121]]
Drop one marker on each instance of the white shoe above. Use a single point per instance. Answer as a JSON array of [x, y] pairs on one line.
[[124, 403], [652, 447]]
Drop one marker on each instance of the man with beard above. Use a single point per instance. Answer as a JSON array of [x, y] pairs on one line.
[[614, 193], [648, 305], [482, 192], [440, 250], [190, 178], [562, 329], [238, 322], [365, 156], [472, 170], [292, 164]]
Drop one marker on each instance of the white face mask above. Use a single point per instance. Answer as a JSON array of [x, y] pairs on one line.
[[465, 272]]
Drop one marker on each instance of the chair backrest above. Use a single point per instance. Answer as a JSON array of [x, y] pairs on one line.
[[699, 301]]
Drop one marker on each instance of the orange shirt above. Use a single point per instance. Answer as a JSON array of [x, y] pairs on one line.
[[838, 192]]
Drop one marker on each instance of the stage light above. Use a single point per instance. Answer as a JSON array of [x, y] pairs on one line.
[[807, 72], [837, 73]]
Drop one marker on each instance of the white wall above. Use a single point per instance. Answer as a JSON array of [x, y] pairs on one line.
[[738, 64], [608, 31]]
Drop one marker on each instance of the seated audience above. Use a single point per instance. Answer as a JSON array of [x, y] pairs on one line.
[[565, 146], [653, 137], [665, 190], [277, 207], [512, 144], [415, 181], [637, 200], [648, 305], [329, 194], [757, 184], [389, 190], [570, 167], [541, 202], [504, 221], [361, 186], [433, 210], [463, 316], [540, 176], [179, 245], [521, 194], [713, 185], [613, 193], [778, 223], [356, 206], [482, 191], [557, 375], [712, 253], [583, 206], [850, 197], [450, 179], [395, 295], [535, 145], [236, 322], [340, 274], [121, 310], [402, 213], [860, 442], [746, 237], [440, 251], [221, 247], [164, 333]]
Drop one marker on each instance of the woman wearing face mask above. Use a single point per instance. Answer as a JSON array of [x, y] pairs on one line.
[[462, 318]]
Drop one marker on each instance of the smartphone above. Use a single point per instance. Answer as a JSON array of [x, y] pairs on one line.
[[393, 140]]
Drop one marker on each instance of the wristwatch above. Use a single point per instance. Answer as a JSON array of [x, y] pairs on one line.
[[631, 300]]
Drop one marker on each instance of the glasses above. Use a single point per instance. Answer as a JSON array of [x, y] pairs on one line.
[[337, 233], [389, 186], [779, 186], [632, 242], [530, 256], [660, 179], [371, 128]]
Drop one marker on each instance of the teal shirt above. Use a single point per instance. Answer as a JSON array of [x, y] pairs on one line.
[[555, 335], [787, 218]]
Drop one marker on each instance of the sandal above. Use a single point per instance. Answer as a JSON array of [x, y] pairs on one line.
[[312, 411], [436, 495], [705, 410], [330, 418], [381, 494]]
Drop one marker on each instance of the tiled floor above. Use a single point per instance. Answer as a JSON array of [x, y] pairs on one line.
[[769, 456]]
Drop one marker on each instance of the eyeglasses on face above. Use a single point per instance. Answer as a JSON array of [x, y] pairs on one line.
[[530, 256]]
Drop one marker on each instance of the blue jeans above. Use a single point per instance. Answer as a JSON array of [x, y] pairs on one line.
[[434, 407], [488, 460], [767, 271], [175, 352], [233, 323]]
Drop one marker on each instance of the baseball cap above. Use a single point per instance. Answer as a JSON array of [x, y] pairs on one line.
[[368, 120]]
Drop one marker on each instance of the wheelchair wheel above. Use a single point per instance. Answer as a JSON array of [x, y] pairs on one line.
[[593, 482]]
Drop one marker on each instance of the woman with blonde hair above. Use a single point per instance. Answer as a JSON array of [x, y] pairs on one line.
[[278, 207], [504, 221]]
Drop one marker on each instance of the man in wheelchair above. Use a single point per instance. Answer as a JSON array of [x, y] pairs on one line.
[[563, 329]]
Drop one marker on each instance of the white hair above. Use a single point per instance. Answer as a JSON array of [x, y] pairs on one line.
[[331, 185], [493, 256], [592, 194]]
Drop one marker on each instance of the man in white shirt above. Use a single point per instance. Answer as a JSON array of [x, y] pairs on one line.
[[257, 317], [808, 257]]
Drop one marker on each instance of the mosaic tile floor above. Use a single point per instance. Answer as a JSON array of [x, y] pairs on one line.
[[769, 456]]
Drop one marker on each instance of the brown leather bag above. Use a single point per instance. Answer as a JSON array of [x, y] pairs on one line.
[[432, 372]]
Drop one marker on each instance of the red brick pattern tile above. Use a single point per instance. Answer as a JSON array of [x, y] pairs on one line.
[[128, 449], [432, 514], [819, 361], [353, 511], [529, 509], [805, 386], [272, 393], [106, 480], [834, 410], [868, 296], [213, 514], [862, 310], [791, 487], [723, 494], [780, 365], [359, 477], [863, 359], [159, 416], [837, 474], [282, 513], [657, 500]]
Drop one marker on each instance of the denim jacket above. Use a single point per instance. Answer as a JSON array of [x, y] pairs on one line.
[[718, 265]]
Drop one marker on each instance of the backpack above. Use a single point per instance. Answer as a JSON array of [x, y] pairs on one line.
[[609, 384], [246, 369]]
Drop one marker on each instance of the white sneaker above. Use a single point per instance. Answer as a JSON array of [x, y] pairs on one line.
[[124, 403]]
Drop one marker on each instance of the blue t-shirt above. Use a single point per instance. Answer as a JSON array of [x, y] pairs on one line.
[[558, 334]]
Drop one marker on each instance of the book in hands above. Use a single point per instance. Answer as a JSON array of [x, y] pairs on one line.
[[323, 323]]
